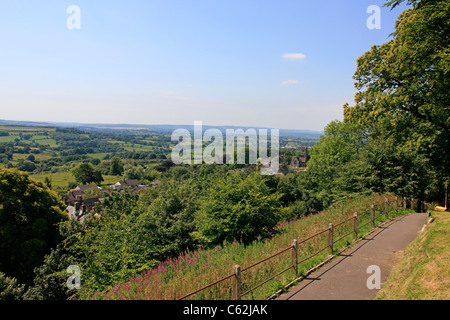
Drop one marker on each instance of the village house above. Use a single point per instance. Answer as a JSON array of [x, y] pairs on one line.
[[126, 184], [84, 187], [81, 207], [300, 161], [155, 184], [78, 206]]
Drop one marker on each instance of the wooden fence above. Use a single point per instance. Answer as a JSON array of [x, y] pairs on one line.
[[238, 272]]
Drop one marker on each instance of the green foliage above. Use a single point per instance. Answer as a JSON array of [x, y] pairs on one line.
[[133, 172], [394, 140], [116, 167], [50, 278], [330, 157], [403, 86], [239, 207], [29, 213], [85, 173], [10, 289]]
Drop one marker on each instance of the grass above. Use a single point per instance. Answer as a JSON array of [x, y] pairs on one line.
[[39, 156], [190, 271], [423, 272], [38, 138], [26, 128], [7, 138], [98, 156], [60, 180]]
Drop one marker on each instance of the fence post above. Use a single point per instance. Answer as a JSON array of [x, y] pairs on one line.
[[396, 204], [372, 215], [237, 282], [404, 202], [330, 236], [412, 203], [294, 256], [386, 208], [355, 225]]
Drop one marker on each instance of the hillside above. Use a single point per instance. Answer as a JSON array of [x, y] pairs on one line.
[[423, 272]]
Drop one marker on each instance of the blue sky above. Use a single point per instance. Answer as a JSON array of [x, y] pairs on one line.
[[273, 63]]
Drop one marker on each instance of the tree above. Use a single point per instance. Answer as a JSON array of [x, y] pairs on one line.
[[116, 167], [48, 182], [80, 171], [10, 289], [169, 220], [29, 213], [26, 166], [93, 176], [403, 84], [328, 158], [238, 206], [165, 165], [134, 172], [85, 173], [391, 168]]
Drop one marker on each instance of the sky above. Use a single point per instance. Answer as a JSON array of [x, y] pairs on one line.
[[285, 64]]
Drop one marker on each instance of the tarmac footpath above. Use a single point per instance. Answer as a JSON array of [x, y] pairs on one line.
[[356, 273]]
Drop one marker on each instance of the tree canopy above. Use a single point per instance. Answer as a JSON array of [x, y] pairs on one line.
[[403, 85], [29, 213]]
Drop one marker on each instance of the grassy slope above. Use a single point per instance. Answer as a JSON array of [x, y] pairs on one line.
[[423, 272], [192, 270]]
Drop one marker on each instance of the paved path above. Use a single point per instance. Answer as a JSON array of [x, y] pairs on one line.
[[345, 277]]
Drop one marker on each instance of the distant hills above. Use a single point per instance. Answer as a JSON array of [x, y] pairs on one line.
[[156, 128]]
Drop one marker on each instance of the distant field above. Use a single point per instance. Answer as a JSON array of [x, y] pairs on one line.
[[129, 147], [34, 131], [39, 156], [7, 138], [60, 180], [99, 156], [138, 147], [25, 128]]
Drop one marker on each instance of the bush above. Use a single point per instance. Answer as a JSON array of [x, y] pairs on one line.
[[10, 289], [240, 207]]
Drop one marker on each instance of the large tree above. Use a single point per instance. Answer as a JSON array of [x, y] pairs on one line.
[[403, 85], [85, 173], [29, 214]]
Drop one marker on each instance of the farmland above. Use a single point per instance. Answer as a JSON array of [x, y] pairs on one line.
[[47, 152]]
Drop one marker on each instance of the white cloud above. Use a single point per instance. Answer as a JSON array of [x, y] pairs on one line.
[[294, 56], [287, 82]]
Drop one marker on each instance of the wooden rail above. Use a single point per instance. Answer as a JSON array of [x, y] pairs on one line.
[[237, 271]]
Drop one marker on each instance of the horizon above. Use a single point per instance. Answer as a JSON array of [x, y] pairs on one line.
[[108, 125], [265, 64]]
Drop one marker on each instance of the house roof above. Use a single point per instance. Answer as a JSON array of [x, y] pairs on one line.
[[84, 187], [131, 182], [155, 184]]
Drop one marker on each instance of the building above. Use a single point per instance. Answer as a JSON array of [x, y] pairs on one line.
[[125, 184], [81, 207], [84, 187]]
